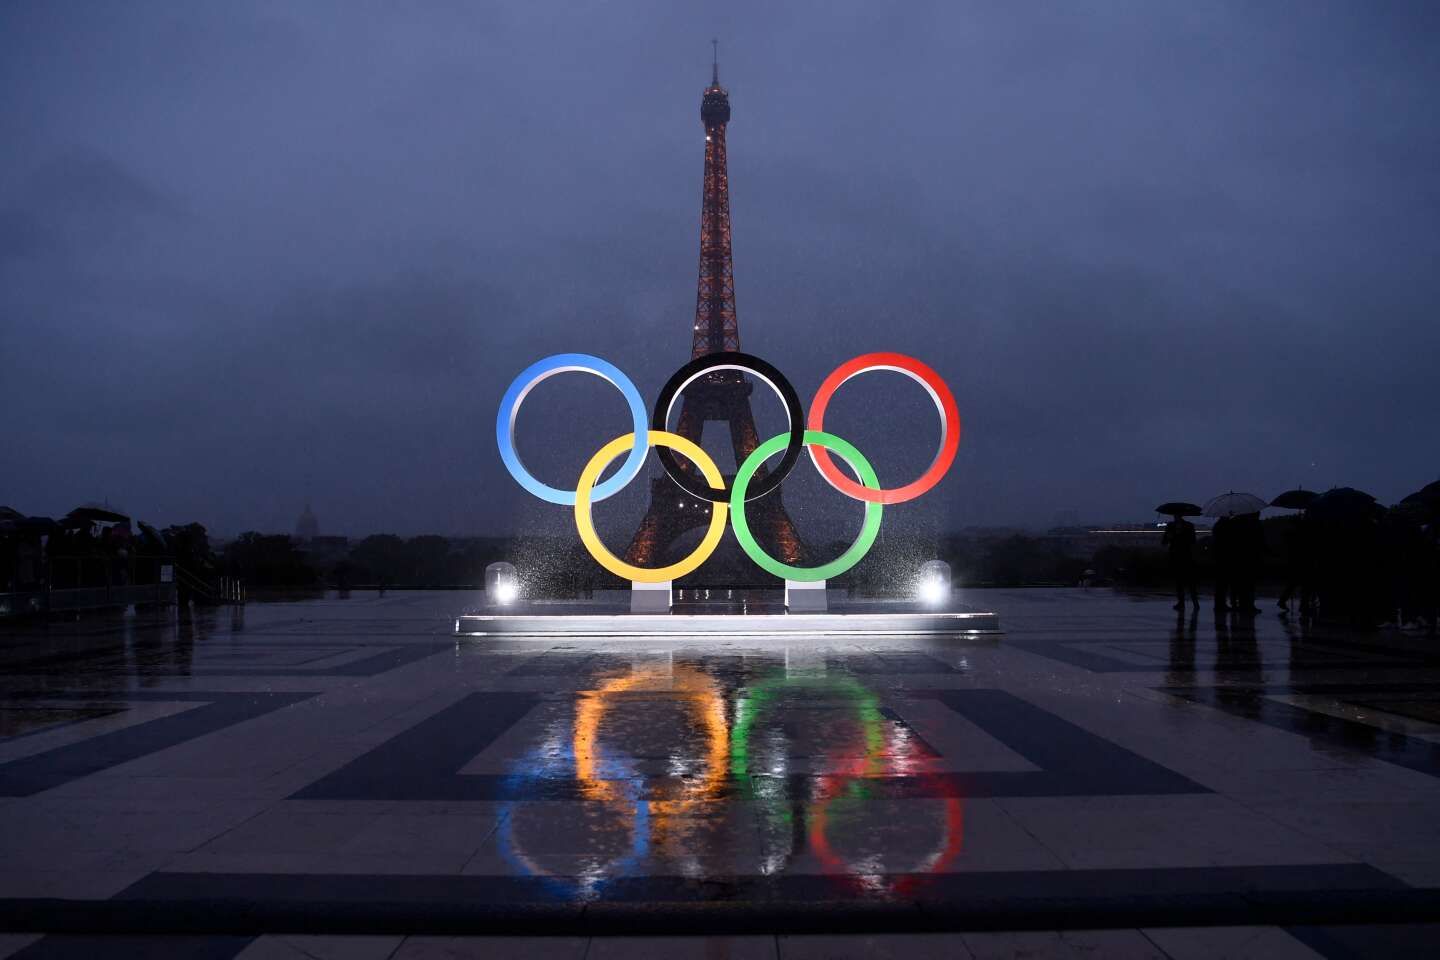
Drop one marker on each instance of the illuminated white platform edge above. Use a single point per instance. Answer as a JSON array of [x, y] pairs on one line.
[[609, 616]]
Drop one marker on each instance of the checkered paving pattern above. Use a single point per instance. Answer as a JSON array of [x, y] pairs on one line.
[[342, 777]]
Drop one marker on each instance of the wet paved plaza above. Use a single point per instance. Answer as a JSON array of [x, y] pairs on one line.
[[343, 777]]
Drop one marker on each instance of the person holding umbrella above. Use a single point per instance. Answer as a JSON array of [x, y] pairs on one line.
[[1250, 548], [1298, 538], [1231, 538], [1347, 530], [1180, 539], [1423, 569]]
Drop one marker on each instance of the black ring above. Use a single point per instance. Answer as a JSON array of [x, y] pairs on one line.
[[693, 484]]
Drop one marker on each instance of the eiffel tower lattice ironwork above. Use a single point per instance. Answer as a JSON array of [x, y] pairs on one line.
[[724, 395]]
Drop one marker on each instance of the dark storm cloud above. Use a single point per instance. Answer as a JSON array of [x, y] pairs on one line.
[[254, 253]]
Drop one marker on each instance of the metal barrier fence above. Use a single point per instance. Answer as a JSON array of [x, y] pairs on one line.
[[99, 598]]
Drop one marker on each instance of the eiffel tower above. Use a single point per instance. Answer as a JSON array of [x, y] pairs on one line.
[[722, 396]]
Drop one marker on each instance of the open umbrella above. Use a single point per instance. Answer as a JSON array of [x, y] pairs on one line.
[[1344, 502], [96, 515], [1429, 495], [1179, 508], [151, 538], [1234, 504], [1297, 499]]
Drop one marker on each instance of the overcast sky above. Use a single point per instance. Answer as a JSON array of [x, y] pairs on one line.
[[254, 253]]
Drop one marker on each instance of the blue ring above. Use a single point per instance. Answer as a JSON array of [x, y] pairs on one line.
[[515, 395], [539, 771]]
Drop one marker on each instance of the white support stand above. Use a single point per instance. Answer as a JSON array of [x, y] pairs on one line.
[[805, 597], [650, 597]]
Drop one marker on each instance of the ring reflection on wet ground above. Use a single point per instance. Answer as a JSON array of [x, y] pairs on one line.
[[345, 767], [669, 817]]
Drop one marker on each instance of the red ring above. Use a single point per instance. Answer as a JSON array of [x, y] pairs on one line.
[[944, 404], [903, 883]]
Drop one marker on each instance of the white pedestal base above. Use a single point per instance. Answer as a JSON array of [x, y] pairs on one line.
[[805, 597], [649, 597]]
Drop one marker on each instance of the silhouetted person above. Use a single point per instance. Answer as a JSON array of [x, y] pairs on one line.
[[1180, 538], [1249, 547], [1222, 541], [1300, 558], [1349, 551], [1405, 555], [1428, 602]]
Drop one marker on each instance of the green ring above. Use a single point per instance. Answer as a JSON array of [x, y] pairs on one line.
[[759, 696], [868, 530]]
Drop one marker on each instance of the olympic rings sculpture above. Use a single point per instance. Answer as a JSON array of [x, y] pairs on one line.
[[801, 434]]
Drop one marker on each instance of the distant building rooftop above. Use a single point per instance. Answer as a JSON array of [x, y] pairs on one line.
[[307, 528]]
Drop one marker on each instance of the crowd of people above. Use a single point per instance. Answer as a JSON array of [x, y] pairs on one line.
[[92, 549], [1364, 565]]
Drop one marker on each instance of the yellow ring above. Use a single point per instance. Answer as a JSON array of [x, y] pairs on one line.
[[607, 455]]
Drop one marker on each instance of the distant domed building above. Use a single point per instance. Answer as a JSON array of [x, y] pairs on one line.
[[307, 528]]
